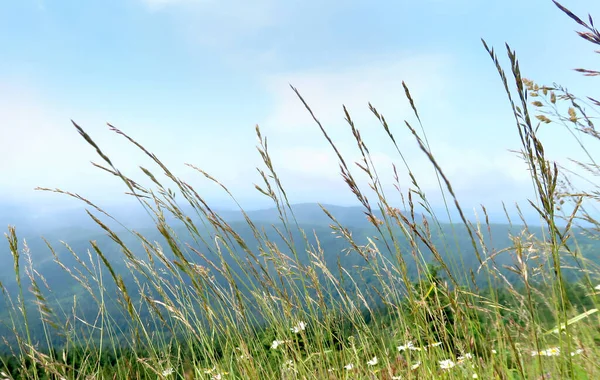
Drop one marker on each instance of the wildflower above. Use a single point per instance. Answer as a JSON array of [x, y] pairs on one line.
[[217, 376], [446, 364], [464, 357], [415, 366], [301, 326], [577, 352], [554, 351], [494, 352], [167, 372], [408, 346], [475, 376], [373, 361], [276, 343], [436, 344], [597, 287], [349, 367], [534, 353]]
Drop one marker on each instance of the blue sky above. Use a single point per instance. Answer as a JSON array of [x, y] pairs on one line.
[[190, 80]]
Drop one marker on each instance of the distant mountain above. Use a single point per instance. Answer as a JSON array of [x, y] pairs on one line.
[[31, 219], [451, 240], [35, 219], [304, 213]]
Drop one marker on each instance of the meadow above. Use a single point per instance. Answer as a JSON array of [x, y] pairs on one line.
[[399, 294]]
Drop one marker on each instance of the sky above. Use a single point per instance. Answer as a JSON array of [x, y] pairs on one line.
[[190, 80]]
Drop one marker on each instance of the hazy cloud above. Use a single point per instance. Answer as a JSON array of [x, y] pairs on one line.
[[219, 23], [472, 169], [377, 81]]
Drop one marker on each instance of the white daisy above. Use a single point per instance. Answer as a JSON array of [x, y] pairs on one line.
[[208, 371], [554, 351], [408, 346], [373, 361], [301, 326], [446, 364]]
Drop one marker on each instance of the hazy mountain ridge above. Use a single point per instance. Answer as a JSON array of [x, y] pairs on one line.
[[309, 216], [452, 242]]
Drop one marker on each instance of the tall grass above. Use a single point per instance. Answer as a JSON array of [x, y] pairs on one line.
[[207, 302]]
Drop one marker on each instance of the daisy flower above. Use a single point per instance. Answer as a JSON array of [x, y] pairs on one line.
[[373, 361], [446, 364], [554, 351], [408, 346], [301, 326]]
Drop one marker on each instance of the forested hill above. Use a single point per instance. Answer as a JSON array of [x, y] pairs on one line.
[[452, 242]]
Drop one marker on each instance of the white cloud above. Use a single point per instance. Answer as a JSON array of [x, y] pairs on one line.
[[475, 176], [378, 82], [40, 147], [298, 148], [219, 24]]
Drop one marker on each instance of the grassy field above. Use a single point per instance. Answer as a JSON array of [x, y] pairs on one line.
[[275, 305]]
